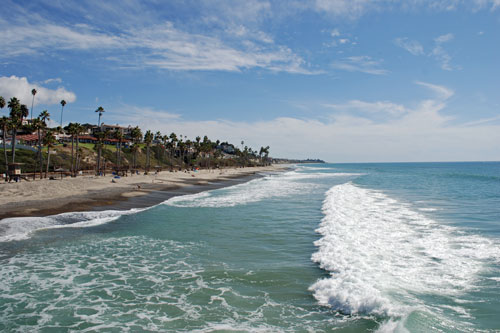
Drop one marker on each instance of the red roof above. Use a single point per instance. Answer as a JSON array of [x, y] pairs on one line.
[[87, 137], [28, 137]]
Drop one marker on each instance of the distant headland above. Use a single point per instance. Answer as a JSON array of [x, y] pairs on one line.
[[288, 161]]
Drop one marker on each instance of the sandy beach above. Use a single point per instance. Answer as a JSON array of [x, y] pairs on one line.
[[47, 197]]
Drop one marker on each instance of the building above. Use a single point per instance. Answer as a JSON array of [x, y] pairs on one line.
[[125, 131]]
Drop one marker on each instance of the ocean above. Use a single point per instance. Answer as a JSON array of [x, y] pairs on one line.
[[393, 247]]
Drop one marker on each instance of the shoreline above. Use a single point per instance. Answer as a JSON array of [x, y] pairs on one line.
[[52, 197]]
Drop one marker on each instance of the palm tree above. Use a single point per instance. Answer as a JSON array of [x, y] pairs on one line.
[[100, 110], [148, 138], [173, 140], [165, 146], [101, 136], [24, 112], [63, 103], [4, 121], [37, 125], [157, 139], [4, 124], [98, 146], [72, 130], [44, 118], [79, 130], [15, 120], [49, 140], [33, 92], [119, 136], [136, 135]]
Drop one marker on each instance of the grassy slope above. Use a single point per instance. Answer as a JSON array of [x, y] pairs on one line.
[[62, 158]]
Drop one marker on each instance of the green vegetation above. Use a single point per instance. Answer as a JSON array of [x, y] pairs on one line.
[[130, 152]]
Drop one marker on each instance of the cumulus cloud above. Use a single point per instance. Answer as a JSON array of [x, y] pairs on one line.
[[20, 87], [417, 133]]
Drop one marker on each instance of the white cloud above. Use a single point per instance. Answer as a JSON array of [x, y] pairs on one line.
[[354, 9], [411, 46], [438, 51], [443, 93], [347, 8], [444, 38], [370, 107], [160, 45], [419, 133], [19, 87], [56, 80], [364, 64]]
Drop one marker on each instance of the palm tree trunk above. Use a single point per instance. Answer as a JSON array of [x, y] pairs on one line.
[[99, 160], [77, 164], [147, 158], [72, 155], [48, 162], [40, 152], [14, 132], [5, 151]]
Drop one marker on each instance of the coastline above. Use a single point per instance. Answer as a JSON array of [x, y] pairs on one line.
[[51, 197]]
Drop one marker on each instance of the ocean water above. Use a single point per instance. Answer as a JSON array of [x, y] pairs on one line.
[[327, 247]]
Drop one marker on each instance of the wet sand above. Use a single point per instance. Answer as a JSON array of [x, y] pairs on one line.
[[43, 198]]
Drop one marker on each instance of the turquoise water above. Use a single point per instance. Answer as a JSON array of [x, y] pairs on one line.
[[347, 247]]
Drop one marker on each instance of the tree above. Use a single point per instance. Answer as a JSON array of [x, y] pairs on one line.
[[63, 103], [72, 129], [49, 140], [33, 92], [37, 125], [44, 117], [15, 121], [148, 138], [98, 147], [119, 136], [158, 141], [4, 124], [99, 110], [136, 135], [101, 138], [173, 141], [79, 129]]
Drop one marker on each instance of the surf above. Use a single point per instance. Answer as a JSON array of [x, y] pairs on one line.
[[385, 258]]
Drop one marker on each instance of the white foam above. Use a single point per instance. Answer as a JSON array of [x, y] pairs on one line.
[[271, 186], [20, 228], [382, 255], [428, 209]]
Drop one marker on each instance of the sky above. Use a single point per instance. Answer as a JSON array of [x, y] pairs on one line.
[[339, 80]]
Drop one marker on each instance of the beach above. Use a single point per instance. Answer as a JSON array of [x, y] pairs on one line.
[[322, 247], [83, 193]]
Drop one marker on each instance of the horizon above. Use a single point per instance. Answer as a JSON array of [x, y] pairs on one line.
[[341, 81]]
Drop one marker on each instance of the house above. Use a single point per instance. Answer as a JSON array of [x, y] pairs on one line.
[[125, 131], [28, 139]]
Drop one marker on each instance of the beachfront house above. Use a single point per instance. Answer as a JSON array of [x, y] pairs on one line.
[[125, 131]]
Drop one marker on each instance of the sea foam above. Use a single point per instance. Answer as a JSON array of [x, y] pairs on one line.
[[272, 186], [20, 228], [382, 255]]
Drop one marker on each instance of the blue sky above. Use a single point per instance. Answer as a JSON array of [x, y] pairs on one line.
[[345, 81]]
